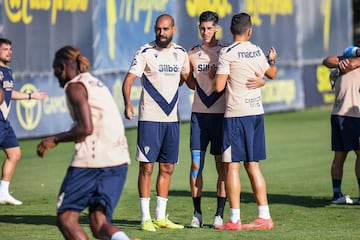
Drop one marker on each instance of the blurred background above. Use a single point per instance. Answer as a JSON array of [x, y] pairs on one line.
[[109, 33]]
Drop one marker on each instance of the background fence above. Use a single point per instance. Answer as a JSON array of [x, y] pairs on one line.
[[109, 32]]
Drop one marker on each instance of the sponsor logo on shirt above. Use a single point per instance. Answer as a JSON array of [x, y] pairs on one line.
[[251, 54], [168, 68]]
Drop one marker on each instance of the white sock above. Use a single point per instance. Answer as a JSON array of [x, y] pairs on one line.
[[120, 236], [160, 211], [4, 186], [145, 209], [264, 212], [235, 215]]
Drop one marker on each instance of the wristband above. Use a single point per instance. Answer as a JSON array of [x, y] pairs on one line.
[[271, 61]]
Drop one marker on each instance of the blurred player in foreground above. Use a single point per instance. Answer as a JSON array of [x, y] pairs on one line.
[[8, 140], [97, 172]]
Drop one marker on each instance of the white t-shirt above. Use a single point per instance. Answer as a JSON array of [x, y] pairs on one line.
[[107, 145], [241, 60], [159, 69], [202, 59], [347, 96]]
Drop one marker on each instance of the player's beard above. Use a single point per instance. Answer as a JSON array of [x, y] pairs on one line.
[[163, 44]]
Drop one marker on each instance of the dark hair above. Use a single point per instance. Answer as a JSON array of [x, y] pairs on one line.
[[240, 23], [209, 16], [71, 56], [165, 15], [5, 41]]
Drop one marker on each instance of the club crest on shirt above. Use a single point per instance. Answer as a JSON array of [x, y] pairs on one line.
[[134, 62], [175, 55]]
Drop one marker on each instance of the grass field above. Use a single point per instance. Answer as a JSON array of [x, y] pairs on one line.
[[297, 171]]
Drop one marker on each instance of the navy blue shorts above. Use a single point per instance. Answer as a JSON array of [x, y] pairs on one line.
[[8, 138], [158, 142], [345, 133], [206, 128], [90, 187], [244, 139]]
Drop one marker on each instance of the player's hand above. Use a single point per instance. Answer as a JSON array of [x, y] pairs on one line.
[[45, 145], [212, 71], [272, 54], [344, 64], [37, 94], [253, 83], [129, 112]]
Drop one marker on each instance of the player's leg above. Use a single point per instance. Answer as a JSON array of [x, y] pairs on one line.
[[168, 157], [68, 224], [343, 138], [148, 139], [337, 174], [233, 189], [232, 155], [199, 140], [196, 185], [102, 229], [216, 136], [109, 186], [258, 186], [221, 192], [357, 172], [162, 188], [144, 189], [13, 155]]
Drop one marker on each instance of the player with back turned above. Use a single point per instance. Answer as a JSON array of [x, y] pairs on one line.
[[244, 133]]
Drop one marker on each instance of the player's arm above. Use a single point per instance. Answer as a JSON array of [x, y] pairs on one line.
[[345, 64], [220, 82], [332, 61], [185, 71], [37, 94], [82, 126], [126, 90], [253, 83], [190, 81], [272, 70]]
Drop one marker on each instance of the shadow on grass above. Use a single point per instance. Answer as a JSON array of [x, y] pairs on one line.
[[248, 197], [51, 220]]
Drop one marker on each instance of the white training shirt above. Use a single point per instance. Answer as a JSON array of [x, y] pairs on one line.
[[159, 70], [204, 58], [241, 60], [347, 96], [107, 145]]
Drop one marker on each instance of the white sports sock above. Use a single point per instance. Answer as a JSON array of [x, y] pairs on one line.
[[4, 186], [264, 212], [120, 236], [234, 215], [145, 209], [160, 211]]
